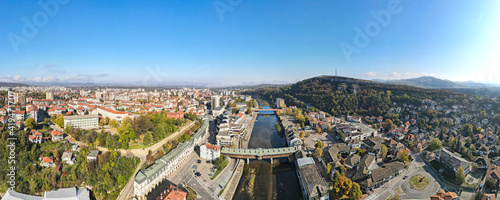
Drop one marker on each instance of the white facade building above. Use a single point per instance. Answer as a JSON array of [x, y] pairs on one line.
[[82, 121], [215, 102], [209, 151], [147, 179]]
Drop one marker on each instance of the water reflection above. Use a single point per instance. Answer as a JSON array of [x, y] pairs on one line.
[[269, 182]]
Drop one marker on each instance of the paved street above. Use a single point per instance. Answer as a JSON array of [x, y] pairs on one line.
[[388, 189], [418, 166], [206, 188], [185, 176]]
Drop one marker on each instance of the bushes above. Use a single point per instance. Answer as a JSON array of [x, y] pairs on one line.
[[221, 163]]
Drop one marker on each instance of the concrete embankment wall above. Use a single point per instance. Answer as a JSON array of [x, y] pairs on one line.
[[232, 184]]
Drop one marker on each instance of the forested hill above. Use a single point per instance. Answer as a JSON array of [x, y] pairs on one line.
[[427, 82], [343, 95]]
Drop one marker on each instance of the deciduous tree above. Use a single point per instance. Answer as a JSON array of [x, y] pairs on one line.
[[460, 176], [403, 155], [320, 144], [355, 192], [328, 170], [30, 123], [318, 152], [434, 145], [342, 170], [383, 151]]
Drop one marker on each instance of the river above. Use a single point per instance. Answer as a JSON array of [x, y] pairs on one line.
[[276, 182]]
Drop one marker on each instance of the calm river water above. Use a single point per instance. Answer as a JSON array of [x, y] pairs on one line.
[[279, 182]]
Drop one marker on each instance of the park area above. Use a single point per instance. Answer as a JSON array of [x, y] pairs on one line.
[[419, 182]]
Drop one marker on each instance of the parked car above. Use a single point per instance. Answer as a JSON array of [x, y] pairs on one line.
[[197, 174], [195, 167], [405, 177]]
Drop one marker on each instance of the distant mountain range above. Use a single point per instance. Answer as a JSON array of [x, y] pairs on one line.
[[8, 84], [436, 83]]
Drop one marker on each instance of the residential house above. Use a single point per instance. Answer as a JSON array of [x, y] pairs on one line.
[[92, 156], [351, 161], [36, 137], [67, 158], [172, 193], [488, 197], [441, 195], [493, 172], [47, 161], [335, 149], [57, 135], [355, 143], [409, 137], [482, 162], [369, 175]]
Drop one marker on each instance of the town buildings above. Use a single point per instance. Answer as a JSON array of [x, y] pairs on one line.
[[82, 121], [147, 179]]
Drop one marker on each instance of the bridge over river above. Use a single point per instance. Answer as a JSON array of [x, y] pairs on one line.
[[259, 153], [265, 109]]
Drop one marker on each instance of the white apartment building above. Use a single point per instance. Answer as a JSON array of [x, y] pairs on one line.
[[82, 121], [209, 151]]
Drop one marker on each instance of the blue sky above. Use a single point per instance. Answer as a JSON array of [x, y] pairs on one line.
[[246, 42]]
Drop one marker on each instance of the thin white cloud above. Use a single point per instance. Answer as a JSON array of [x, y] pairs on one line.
[[80, 78], [53, 68]]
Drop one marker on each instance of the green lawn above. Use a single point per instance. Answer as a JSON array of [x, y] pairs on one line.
[[220, 167], [137, 146], [419, 182]]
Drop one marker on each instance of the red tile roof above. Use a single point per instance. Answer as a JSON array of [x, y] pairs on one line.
[[47, 160], [56, 133], [113, 111], [493, 172], [213, 147]]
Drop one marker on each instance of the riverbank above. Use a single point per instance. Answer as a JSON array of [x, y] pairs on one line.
[[232, 184], [248, 133]]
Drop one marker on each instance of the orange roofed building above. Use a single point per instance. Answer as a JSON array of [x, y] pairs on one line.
[[441, 195], [489, 197], [172, 193], [176, 115]]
